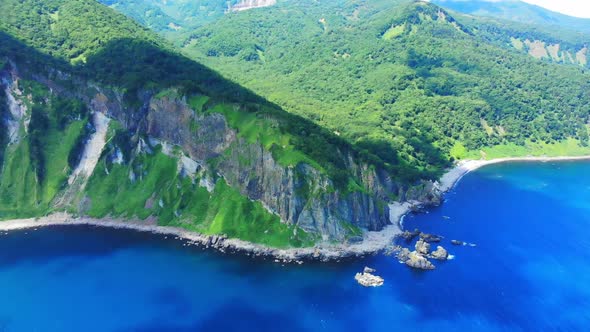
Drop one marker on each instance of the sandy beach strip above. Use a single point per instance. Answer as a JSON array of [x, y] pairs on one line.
[[450, 178]]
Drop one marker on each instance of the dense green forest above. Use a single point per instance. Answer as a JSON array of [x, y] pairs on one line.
[[408, 85], [172, 18], [407, 80], [119, 52], [410, 77]]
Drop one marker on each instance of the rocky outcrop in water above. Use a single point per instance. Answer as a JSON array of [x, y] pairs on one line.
[[440, 254], [410, 236], [422, 247], [367, 279], [418, 261], [430, 237]]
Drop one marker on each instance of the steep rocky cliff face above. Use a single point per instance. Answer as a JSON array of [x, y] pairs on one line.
[[206, 153]]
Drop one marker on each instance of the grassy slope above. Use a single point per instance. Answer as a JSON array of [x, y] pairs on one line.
[[158, 190], [21, 194], [569, 147]]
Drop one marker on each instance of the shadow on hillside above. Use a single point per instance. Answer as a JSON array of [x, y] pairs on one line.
[[138, 65]]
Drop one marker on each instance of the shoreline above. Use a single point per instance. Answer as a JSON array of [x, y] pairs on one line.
[[454, 175], [373, 241]]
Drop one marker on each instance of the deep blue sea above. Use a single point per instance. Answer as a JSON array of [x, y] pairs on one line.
[[530, 271]]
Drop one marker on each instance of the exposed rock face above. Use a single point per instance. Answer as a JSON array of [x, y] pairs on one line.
[[422, 247], [265, 180], [368, 280], [17, 110], [251, 4], [204, 136], [428, 193], [440, 254], [417, 261]]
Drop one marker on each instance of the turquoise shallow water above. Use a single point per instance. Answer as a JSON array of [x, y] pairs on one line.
[[530, 271]]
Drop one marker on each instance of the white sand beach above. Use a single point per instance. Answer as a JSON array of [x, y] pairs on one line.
[[450, 178]]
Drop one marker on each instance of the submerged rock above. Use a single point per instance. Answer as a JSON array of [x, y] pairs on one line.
[[440, 253], [368, 279], [430, 237], [422, 247], [368, 270], [457, 243], [417, 261], [409, 236]]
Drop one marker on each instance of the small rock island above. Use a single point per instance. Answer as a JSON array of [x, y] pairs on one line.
[[418, 259], [368, 279]]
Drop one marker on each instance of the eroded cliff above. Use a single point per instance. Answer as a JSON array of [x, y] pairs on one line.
[[187, 161]]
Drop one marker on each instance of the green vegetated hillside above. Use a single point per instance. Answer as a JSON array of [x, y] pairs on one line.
[[62, 62], [403, 76], [529, 29], [172, 18], [380, 96]]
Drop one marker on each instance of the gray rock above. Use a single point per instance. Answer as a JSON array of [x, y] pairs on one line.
[[403, 254], [409, 236], [417, 261], [430, 237], [368, 279], [440, 254], [457, 243], [368, 270], [422, 247]]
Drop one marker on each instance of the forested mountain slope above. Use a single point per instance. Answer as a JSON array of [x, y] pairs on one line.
[[101, 117], [176, 18], [542, 34], [407, 77]]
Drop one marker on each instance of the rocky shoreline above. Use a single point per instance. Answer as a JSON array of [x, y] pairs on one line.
[[372, 242]]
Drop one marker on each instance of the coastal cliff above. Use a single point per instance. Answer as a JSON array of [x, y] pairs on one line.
[[185, 161]]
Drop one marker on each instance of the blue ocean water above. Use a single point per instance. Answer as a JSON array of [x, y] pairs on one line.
[[530, 271]]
